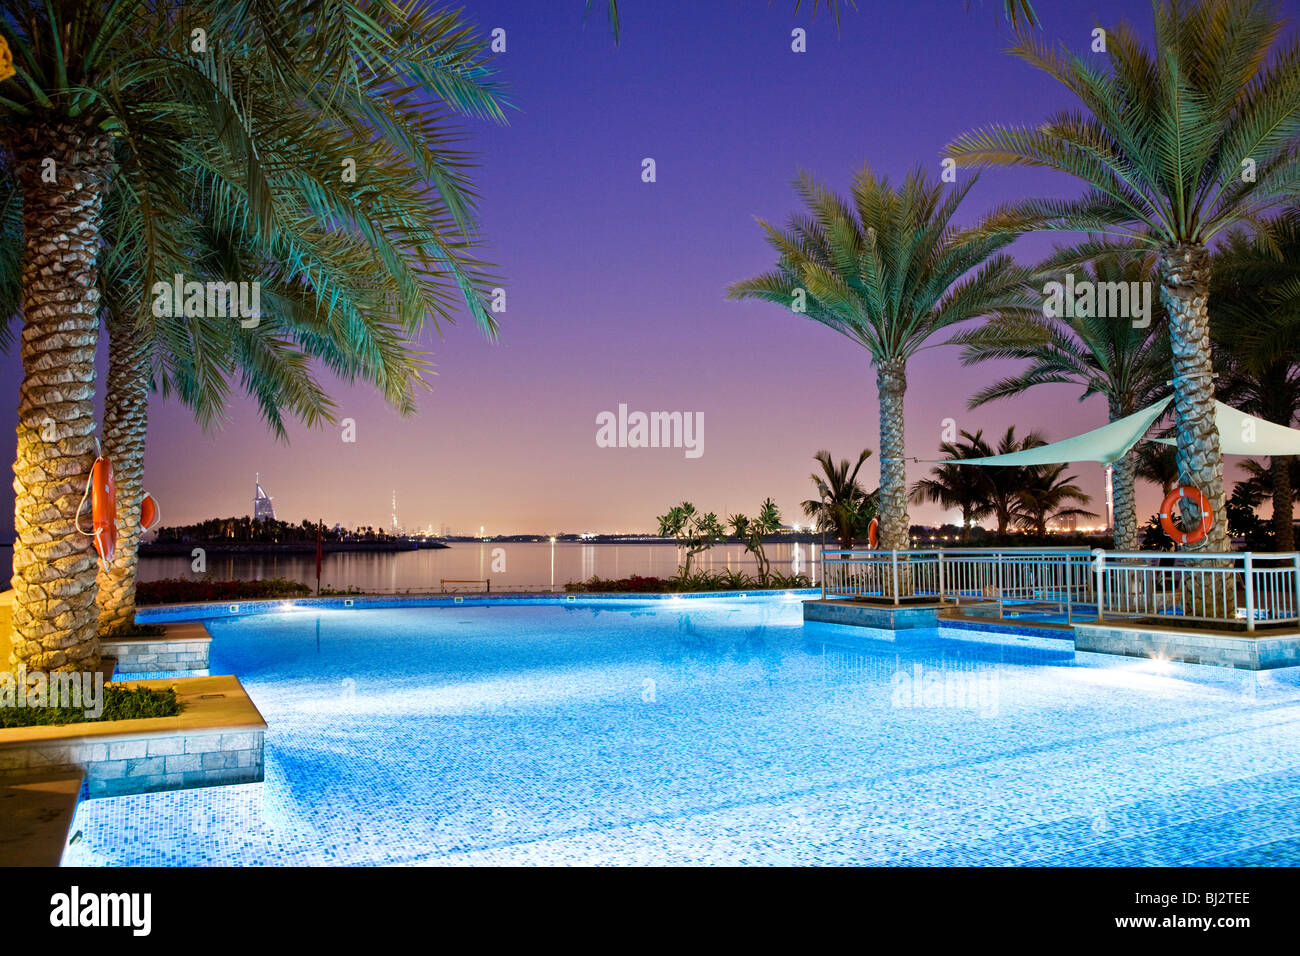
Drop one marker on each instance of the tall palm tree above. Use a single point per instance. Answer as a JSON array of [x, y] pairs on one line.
[[961, 487], [1125, 361], [1255, 328], [1045, 493], [104, 93], [888, 270], [841, 504], [1176, 145], [350, 300]]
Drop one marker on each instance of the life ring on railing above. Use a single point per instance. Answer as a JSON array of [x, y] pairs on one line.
[[873, 529], [1170, 527], [101, 489], [149, 512]]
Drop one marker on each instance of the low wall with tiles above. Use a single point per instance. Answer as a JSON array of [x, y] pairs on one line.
[[885, 616], [1218, 649], [185, 647], [218, 739]]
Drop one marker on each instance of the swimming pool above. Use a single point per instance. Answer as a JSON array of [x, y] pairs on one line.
[[719, 731]]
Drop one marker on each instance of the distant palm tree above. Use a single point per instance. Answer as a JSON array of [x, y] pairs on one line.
[[1126, 362], [752, 531], [1003, 482], [888, 269], [1045, 493], [1157, 464], [841, 504], [961, 487], [1176, 146], [1255, 328]]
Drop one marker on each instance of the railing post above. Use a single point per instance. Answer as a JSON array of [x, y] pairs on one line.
[[1069, 588], [894, 572], [1250, 592], [998, 558], [823, 561], [941, 575], [1295, 562], [1099, 567]]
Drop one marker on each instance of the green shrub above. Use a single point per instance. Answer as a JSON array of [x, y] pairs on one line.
[[700, 581], [120, 703], [194, 590], [124, 629]]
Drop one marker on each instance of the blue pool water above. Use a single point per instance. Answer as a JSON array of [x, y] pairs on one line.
[[716, 731]]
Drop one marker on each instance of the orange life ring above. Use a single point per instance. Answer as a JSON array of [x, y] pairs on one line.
[[149, 512], [102, 492], [872, 529], [1170, 527]]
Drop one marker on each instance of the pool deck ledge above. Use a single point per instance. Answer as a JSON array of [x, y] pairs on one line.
[[217, 739], [1244, 650]]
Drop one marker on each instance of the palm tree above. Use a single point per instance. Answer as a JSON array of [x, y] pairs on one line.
[[104, 94], [1255, 328], [752, 531], [1044, 494], [1002, 482], [1126, 362], [888, 271], [350, 301], [841, 504], [1157, 464], [961, 487], [1176, 146]]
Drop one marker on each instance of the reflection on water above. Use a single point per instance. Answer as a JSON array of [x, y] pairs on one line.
[[508, 565]]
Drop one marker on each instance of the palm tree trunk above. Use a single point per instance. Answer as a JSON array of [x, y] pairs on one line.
[[54, 626], [1124, 498], [1185, 293], [126, 411], [1283, 515], [891, 384]]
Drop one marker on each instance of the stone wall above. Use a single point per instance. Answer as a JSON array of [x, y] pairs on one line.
[[144, 764], [184, 647]]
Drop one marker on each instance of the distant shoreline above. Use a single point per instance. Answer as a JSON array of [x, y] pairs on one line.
[[165, 549]]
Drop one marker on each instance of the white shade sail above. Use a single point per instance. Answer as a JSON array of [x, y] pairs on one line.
[[1242, 434], [1104, 444]]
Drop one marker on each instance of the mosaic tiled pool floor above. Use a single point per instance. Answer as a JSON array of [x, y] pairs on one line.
[[720, 732]]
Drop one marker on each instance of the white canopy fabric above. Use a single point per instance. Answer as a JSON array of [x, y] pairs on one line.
[[1242, 434], [1105, 444]]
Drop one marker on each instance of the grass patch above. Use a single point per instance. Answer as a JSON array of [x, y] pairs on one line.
[[120, 703]]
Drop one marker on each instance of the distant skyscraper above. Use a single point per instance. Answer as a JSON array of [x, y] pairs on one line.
[[263, 510]]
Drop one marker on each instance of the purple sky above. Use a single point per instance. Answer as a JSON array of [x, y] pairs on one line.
[[616, 287]]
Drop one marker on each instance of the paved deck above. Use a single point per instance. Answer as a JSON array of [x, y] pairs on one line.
[[37, 811]]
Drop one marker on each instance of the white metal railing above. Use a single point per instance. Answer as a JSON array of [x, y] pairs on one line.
[[1252, 587], [1061, 576]]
